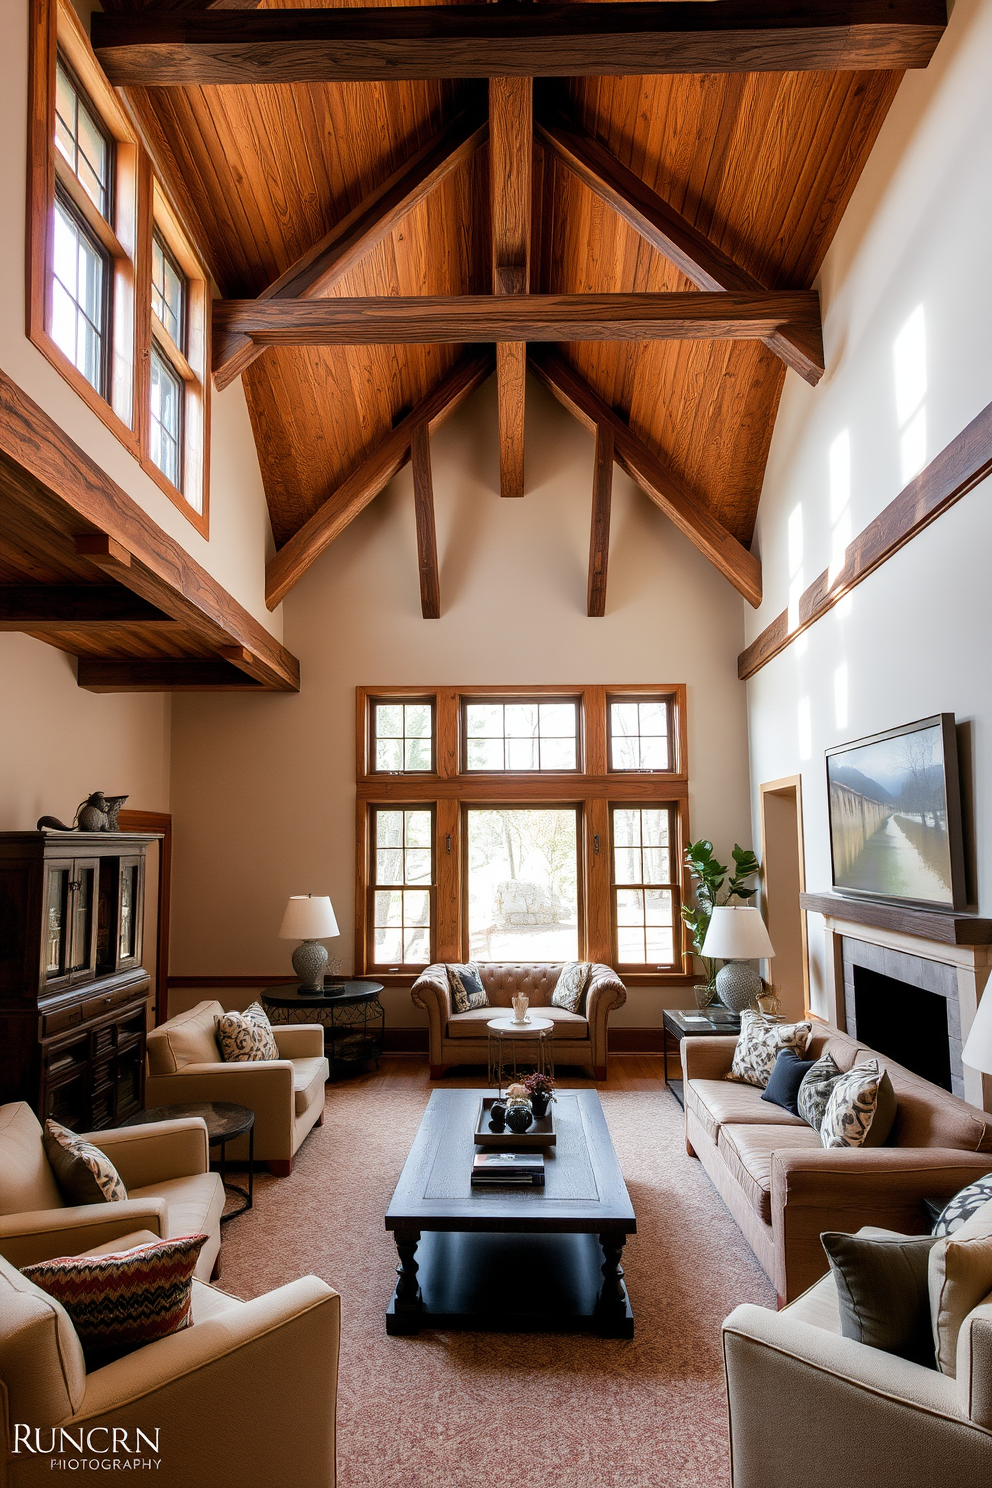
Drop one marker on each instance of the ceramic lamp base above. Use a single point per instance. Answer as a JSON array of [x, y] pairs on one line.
[[310, 963], [738, 985]]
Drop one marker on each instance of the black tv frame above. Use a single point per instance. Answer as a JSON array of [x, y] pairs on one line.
[[952, 797]]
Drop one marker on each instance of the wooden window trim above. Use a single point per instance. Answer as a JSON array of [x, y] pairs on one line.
[[674, 700], [625, 968]]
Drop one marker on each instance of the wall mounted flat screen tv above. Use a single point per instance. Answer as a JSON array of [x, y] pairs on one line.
[[894, 801]]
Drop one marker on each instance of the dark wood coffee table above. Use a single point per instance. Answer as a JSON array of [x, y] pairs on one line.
[[511, 1259]]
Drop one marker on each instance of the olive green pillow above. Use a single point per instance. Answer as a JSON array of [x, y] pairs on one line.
[[882, 1288]]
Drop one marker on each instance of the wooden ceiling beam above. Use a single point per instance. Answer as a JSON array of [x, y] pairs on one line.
[[691, 251], [599, 537], [397, 319], [650, 472], [423, 503], [96, 674], [374, 473], [44, 607], [349, 240], [511, 169], [515, 39]]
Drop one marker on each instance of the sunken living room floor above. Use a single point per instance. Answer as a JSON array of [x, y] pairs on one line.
[[464, 1410]]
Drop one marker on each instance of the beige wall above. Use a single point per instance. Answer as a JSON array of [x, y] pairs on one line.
[[263, 787]]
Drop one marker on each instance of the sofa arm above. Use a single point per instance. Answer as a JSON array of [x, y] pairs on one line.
[[157, 1151], [266, 1086], [40, 1234], [866, 1415], [604, 992], [432, 992], [299, 1040], [708, 1058]]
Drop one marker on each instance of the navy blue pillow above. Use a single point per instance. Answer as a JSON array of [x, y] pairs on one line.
[[785, 1079]]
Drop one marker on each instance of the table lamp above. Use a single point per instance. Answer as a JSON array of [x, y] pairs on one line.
[[308, 918], [977, 1051], [737, 935]]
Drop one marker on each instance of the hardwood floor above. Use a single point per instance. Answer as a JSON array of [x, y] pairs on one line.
[[626, 1072]]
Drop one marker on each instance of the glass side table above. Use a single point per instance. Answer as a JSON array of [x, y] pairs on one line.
[[680, 1023], [352, 1016]]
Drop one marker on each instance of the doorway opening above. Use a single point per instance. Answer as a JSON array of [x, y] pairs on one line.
[[784, 880]]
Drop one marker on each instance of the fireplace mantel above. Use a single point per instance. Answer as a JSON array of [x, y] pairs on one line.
[[927, 924]]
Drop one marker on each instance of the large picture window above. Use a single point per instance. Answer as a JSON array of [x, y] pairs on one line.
[[531, 824]]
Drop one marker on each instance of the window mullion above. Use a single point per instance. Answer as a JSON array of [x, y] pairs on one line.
[[447, 876]]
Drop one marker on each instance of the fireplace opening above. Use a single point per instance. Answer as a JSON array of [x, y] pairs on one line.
[[904, 1022]]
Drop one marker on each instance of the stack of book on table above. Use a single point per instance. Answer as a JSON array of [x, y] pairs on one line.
[[522, 1169]]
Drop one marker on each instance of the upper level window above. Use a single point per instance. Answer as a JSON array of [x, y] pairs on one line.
[[82, 140], [521, 735], [168, 292], [167, 390], [80, 312], [639, 734], [402, 736]]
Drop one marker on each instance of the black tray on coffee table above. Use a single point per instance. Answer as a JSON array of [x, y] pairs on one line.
[[541, 1134]]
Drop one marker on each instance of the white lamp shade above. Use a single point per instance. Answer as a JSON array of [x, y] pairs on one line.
[[977, 1051], [736, 935], [308, 917]]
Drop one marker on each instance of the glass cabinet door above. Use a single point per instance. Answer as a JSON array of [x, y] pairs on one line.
[[82, 919], [59, 876], [128, 937]]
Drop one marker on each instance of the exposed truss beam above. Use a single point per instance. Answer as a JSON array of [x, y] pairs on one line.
[[49, 607], [665, 489], [511, 163], [112, 675], [599, 536], [706, 265], [515, 39], [392, 320], [318, 270], [372, 475], [423, 502]]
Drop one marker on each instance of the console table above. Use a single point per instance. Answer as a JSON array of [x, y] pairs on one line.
[[352, 1015]]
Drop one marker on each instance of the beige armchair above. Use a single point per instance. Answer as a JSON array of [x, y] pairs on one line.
[[166, 1171], [810, 1407], [246, 1395], [462, 1038], [286, 1094]]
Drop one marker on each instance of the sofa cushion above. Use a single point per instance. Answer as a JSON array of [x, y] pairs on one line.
[[785, 1079], [473, 1024], [966, 1202], [42, 1359], [960, 1280], [309, 1078], [188, 1038], [27, 1182], [747, 1150], [82, 1171], [815, 1089], [504, 979], [193, 1203], [715, 1102]]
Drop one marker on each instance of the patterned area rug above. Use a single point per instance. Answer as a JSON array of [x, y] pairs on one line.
[[474, 1410]]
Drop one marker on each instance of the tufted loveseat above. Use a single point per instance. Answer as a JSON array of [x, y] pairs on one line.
[[461, 1038]]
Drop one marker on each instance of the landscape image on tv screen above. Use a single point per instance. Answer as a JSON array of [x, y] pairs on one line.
[[889, 817]]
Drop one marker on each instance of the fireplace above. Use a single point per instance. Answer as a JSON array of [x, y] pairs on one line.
[[907, 1023]]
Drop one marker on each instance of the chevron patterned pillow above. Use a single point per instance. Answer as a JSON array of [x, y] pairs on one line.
[[119, 1302]]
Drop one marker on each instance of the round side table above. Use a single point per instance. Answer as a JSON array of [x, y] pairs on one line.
[[225, 1121], [511, 1043], [352, 1016]]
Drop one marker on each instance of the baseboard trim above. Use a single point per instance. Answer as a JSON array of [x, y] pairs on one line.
[[405, 1041], [634, 1040]]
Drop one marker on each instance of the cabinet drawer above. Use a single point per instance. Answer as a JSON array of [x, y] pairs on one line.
[[64, 1018]]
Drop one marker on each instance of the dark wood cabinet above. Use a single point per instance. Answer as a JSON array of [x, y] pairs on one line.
[[73, 991]]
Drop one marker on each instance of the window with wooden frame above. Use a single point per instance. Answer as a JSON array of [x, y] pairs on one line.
[[98, 227], [560, 838]]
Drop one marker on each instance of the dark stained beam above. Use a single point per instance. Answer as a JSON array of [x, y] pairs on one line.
[[38, 607], [599, 536], [397, 319], [515, 39], [372, 475], [113, 675], [701, 261], [339, 250], [650, 472], [511, 169], [423, 502]]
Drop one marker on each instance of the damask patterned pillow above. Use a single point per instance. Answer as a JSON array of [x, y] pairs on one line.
[[246, 1037], [467, 991], [861, 1108], [963, 1205], [814, 1092], [759, 1043], [84, 1174], [571, 985], [119, 1302]]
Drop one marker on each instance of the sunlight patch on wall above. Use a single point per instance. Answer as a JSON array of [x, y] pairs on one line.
[[909, 354], [840, 503], [795, 564], [840, 695], [804, 724]]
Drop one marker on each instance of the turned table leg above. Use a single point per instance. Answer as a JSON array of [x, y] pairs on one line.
[[611, 1306], [408, 1300]]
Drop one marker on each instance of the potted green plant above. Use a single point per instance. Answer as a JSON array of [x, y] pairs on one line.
[[708, 878]]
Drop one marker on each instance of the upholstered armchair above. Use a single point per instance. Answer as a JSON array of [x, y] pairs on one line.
[[244, 1395], [286, 1094], [462, 1038], [166, 1171]]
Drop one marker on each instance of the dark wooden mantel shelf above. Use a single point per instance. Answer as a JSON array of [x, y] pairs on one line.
[[928, 924]]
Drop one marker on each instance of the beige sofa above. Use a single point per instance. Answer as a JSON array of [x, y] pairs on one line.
[[286, 1094], [810, 1407], [462, 1038], [166, 1171], [245, 1395], [783, 1187]]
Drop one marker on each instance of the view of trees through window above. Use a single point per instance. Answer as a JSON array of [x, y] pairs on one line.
[[522, 884]]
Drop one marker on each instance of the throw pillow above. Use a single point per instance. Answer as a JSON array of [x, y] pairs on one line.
[[960, 1278], [963, 1205], [814, 1092], [760, 1040], [467, 991], [882, 1291], [571, 985], [119, 1302], [246, 1037], [785, 1079], [861, 1108], [84, 1174]]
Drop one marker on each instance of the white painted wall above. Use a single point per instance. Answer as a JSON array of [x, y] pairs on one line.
[[264, 787], [907, 303]]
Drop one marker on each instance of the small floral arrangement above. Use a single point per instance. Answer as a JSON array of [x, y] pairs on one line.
[[540, 1085]]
